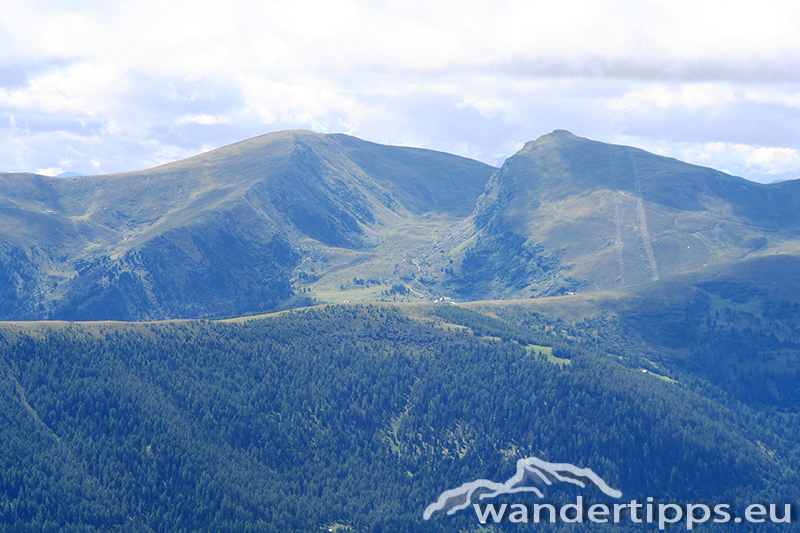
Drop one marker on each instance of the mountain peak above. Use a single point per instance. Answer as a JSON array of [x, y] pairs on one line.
[[616, 216], [560, 133], [223, 232], [553, 139], [294, 214]]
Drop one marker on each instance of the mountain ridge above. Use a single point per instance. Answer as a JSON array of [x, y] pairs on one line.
[[608, 216], [131, 245], [676, 380], [293, 217]]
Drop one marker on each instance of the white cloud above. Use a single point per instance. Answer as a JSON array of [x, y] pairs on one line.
[[770, 160], [686, 95], [702, 153], [158, 79], [758, 163], [81, 89], [305, 101], [202, 119], [774, 95], [52, 171], [488, 107]]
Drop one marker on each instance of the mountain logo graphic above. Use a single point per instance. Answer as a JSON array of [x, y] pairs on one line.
[[530, 473]]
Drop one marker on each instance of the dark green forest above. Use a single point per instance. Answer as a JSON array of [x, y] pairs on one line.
[[353, 417]]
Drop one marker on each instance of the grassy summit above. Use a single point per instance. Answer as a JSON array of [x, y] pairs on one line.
[[593, 216], [292, 218]]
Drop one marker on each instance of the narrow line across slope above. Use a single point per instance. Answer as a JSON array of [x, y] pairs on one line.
[[642, 218]]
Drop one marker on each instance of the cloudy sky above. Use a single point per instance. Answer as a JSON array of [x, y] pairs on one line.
[[101, 86]]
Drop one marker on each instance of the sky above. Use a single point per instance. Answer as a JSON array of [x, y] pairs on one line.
[[96, 87]]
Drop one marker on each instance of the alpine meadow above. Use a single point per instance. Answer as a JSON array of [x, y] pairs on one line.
[[304, 332]]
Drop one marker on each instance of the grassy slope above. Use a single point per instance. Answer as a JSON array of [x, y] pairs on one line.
[[332, 202], [617, 216], [295, 217]]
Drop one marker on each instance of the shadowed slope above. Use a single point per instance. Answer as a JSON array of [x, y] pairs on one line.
[[589, 215], [216, 234]]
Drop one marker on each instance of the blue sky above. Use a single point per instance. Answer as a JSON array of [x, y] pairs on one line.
[[101, 87]]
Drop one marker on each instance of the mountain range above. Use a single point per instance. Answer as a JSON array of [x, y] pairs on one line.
[[617, 310], [293, 218]]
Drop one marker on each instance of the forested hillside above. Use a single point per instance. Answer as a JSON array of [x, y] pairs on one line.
[[668, 364], [735, 326], [356, 416]]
